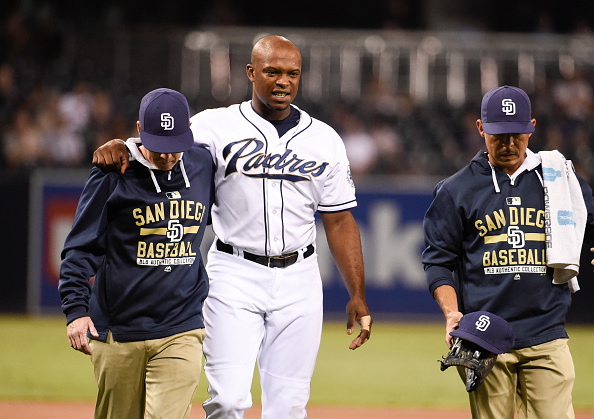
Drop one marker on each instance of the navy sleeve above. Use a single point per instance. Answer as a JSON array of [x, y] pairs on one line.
[[443, 230], [85, 245]]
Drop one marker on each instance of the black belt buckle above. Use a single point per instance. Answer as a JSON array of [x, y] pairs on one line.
[[282, 261]]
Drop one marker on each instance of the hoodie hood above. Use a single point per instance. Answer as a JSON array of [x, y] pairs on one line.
[[132, 145], [531, 162]]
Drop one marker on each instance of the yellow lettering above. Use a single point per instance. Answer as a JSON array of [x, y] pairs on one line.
[[510, 254], [499, 218], [540, 214], [168, 249], [190, 249], [486, 259], [189, 205], [202, 210], [529, 215], [522, 256], [150, 253], [503, 257], [494, 261], [159, 250], [481, 228], [542, 259], [174, 250], [141, 249], [138, 215], [149, 216], [159, 211], [490, 223], [174, 210], [530, 258], [513, 216]]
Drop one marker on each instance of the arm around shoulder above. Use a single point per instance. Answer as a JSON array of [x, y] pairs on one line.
[[112, 156]]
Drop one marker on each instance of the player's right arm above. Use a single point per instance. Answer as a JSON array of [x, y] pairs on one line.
[[443, 231], [344, 241], [83, 253], [77, 334], [446, 297], [112, 156]]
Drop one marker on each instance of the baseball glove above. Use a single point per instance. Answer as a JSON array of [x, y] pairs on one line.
[[477, 361]]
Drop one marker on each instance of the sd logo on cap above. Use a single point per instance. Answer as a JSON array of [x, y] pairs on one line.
[[487, 330], [480, 337], [165, 122]]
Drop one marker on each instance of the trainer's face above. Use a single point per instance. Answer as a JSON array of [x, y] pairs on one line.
[[274, 73], [506, 151], [162, 161]]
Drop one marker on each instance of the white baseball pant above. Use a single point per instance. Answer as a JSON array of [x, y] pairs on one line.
[[273, 315]]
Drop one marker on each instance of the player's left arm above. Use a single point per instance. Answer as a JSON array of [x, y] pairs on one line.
[[345, 244]]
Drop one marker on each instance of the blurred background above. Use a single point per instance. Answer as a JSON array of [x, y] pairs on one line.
[[400, 80]]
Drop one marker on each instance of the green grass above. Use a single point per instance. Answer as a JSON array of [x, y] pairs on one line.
[[397, 367]]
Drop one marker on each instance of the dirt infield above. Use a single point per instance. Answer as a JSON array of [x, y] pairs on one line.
[[40, 410]]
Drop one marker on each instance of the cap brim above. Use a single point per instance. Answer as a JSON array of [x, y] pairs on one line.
[[495, 128], [167, 144], [475, 339]]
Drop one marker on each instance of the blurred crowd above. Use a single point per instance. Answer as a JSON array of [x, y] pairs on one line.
[[56, 117], [391, 134]]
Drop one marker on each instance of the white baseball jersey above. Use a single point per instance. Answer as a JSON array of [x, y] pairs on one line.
[[269, 188]]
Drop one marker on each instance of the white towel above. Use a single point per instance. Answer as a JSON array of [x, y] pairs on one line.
[[565, 212]]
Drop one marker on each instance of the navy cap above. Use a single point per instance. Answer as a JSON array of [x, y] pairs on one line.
[[487, 330], [165, 122], [506, 110]]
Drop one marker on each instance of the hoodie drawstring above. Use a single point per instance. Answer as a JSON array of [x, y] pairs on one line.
[[183, 170], [154, 180], [539, 177], [497, 190], [184, 174]]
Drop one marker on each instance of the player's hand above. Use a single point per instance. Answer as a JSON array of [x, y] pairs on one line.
[[452, 323], [357, 311], [112, 156], [592, 250], [77, 334]]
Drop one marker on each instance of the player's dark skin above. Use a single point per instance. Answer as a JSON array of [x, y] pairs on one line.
[[275, 71]]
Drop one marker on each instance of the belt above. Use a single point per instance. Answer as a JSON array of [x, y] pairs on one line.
[[282, 261]]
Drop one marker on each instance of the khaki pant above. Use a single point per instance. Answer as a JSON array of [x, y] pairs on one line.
[[536, 382], [162, 374]]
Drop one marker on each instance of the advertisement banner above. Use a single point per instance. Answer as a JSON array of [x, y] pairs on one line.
[[390, 223]]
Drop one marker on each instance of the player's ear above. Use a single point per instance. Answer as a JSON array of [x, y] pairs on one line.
[[479, 126], [249, 69], [138, 126]]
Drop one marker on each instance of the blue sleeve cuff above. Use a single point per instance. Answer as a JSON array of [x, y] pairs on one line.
[[437, 276]]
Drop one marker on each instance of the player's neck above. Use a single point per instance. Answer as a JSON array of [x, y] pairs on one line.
[[270, 114]]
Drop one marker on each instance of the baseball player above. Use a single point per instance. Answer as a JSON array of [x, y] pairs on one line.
[[488, 234], [139, 234], [276, 166]]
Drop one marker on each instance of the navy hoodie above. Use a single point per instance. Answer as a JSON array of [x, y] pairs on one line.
[[490, 246], [139, 235]]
